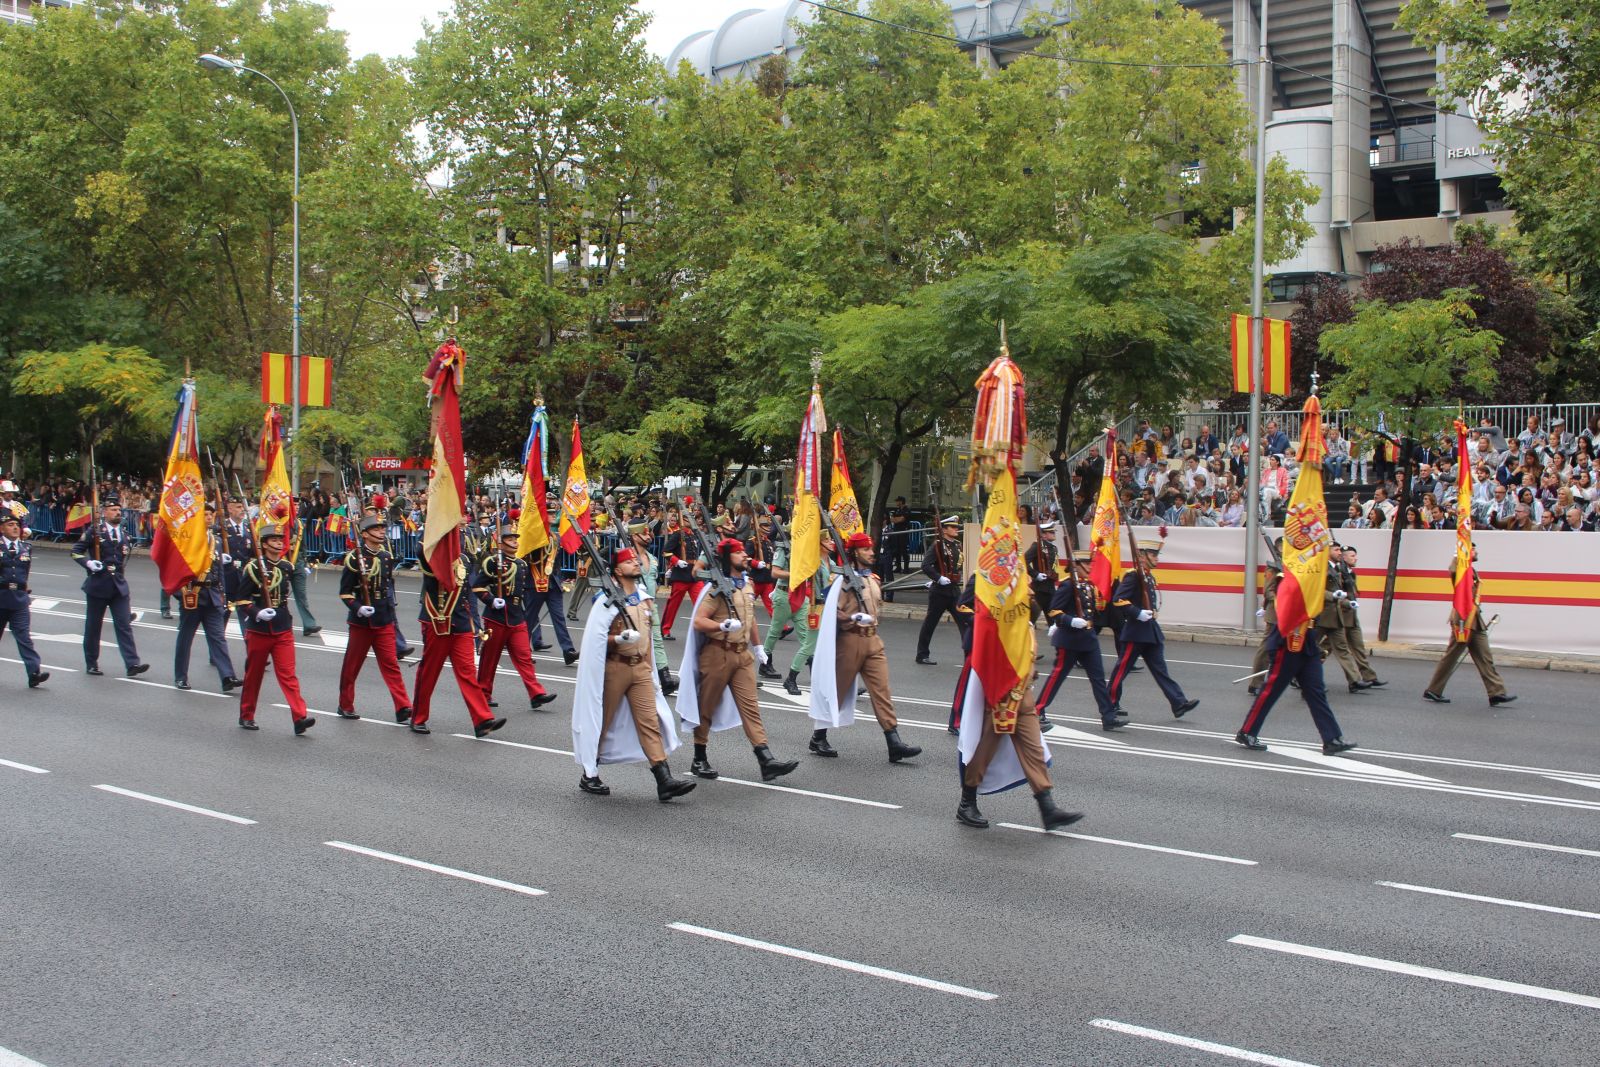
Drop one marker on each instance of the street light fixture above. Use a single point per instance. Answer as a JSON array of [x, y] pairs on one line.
[[212, 61]]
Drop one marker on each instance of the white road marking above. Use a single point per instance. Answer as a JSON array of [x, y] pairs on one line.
[[423, 865], [809, 793], [834, 961], [23, 766], [1592, 783], [1353, 766], [802, 700], [1492, 900], [43, 604], [65, 639], [52, 667], [335, 639], [175, 689], [1057, 732], [16, 1059], [1196, 1043], [515, 744], [224, 816], [1559, 996], [1131, 844], [1528, 844], [335, 715]]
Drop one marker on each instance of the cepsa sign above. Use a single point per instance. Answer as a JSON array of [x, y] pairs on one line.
[[396, 463]]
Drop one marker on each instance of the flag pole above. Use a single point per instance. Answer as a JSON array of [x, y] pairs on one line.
[[1257, 332]]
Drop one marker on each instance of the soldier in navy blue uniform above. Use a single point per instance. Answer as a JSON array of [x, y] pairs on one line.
[[201, 604], [546, 595], [1140, 600], [1284, 666], [942, 565], [103, 553], [16, 559], [1040, 559], [1071, 614], [239, 545]]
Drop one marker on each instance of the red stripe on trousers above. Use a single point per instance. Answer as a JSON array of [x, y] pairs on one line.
[[1258, 711]]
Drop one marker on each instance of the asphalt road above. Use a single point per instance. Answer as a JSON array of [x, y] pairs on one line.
[[1283, 907]]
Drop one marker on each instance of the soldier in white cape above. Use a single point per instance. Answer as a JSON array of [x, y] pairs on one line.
[[619, 714]]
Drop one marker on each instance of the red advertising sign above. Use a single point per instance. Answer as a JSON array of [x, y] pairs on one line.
[[396, 463]]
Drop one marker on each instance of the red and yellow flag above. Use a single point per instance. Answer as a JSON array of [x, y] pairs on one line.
[[805, 527], [79, 515], [277, 498], [533, 525], [1462, 599], [1274, 355], [447, 487], [1306, 537], [575, 498], [181, 546], [1105, 540], [316, 380], [842, 506]]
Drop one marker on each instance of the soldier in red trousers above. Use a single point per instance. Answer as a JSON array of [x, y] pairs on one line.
[[504, 583], [262, 593], [447, 635], [366, 585]]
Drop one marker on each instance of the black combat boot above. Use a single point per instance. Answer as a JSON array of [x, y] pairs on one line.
[[791, 684], [967, 811], [819, 743], [669, 684], [701, 767], [898, 749], [667, 786], [771, 766], [767, 670], [594, 786], [1053, 817]]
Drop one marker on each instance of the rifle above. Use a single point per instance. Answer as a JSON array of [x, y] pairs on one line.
[[1063, 548], [94, 503], [1133, 547], [720, 585], [608, 584], [847, 570]]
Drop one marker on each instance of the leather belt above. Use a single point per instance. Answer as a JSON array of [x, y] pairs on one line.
[[731, 647], [632, 659], [865, 631], [13, 585]]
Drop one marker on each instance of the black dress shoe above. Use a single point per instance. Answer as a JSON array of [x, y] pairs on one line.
[[1336, 746], [669, 684], [248, 724], [487, 728], [1503, 698], [791, 683], [230, 683], [312, 631], [1186, 707], [1250, 741], [1053, 817], [494, 703], [666, 635], [1429, 694], [180, 684], [93, 672], [898, 749], [1376, 683], [1253, 691], [302, 725], [967, 812], [36, 680], [771, 766], [547, 648], [787, 630], [594, 786], [535, 703], [137, 669], [403, 715], [926, 662], [1116, 722], [346, 713], [420, 728], [1359, 687], [570, 657], [402, 653]]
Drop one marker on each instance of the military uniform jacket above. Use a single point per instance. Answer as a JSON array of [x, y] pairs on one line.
[[1073, 597], [679, 548], [1041, 559], [1478, 623], [870, 602], [445, 612], [1127, 597], [106, 543], [744, 609], [508, 578], [265, 584], [367, 578], [207, 591], [16, 560], [943, 559], [1332, 615], [240, 540]]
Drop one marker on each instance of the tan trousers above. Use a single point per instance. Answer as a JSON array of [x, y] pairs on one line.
[[722, 669], [1333, 643], [1028, 741], [862, 654], [637, 683], [1476, 646], [1263, 658], [1357, 644]]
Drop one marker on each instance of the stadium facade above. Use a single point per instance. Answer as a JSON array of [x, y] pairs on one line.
[[26, 11]]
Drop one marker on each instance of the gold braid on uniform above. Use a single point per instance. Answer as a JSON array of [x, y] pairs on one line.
[[273, 587], [439, 608], [353, 562]]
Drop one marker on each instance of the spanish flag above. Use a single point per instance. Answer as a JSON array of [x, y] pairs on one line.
[[316, 380], [1274, 355], [1462, 600], [1105, 561], [533, 525], [575, 520], [79, 515], [1306, 538], [842, 505], [181, 547], [277, 498], [805, 528], [447, 487]]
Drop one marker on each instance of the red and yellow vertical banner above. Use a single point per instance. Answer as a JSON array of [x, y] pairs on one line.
[[277, 498], [533, 525], [842, 504], [1105, 537], [1274, 355], [181, 547], [575, 520], [316, 380], [1462, 600], [447, 487], [1306, 538], [805, 527]]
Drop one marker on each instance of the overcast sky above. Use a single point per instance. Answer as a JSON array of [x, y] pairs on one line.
[[392, 27]]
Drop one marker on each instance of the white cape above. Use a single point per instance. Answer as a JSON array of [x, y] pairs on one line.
[[621, 742], [1005, 769], [727, 714], [826, 709]]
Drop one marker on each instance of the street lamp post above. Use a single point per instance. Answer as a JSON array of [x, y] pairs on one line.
[[215, 62]]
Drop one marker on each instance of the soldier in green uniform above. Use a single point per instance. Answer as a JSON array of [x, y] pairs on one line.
[[783, 615]]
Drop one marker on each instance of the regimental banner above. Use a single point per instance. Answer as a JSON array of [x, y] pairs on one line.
[[181, 546], [842, 506], [1464, 599], [316, 380], [1306, 540], [575, 501]]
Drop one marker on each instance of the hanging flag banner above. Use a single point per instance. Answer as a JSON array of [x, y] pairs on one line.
[[805, 527], [447, 489], [1105, 560], [277, 499], [1462, 596], [533, 525], [1274, 355], [316, 380]]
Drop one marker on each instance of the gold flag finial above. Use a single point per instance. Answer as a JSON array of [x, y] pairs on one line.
[[1005, 346], [816, 367]]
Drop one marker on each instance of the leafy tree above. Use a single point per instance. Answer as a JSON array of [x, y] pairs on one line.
[[108, 391]]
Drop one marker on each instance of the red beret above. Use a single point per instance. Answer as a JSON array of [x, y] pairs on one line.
[[858, 540], [623, 555], [730, 544]]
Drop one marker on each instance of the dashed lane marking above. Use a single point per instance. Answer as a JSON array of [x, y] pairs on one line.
[[1133, 844], [423, 865], [1492, 900], [164, 802], [1528, 844], [1197, 1044]]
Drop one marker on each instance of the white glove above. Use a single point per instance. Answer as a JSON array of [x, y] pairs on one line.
[[943, 580], [94, 565], [1051, 633], [1260, 612], [1339, 594], [1080, 623], [628, 637], [498, 602], [1146, 615], [681, 563], [730, 626], [227, 558], [266, 614], [366, 611], [760, 652], [861, 618], [1042, 576]]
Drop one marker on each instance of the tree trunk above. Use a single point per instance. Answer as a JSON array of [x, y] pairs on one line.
[[1069, 516], [1394, 535], [888, 467]]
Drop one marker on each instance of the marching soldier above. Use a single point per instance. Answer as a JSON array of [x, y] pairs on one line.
[[762, 580], [1140, 598], [547, 595], [678, 547], [1305, 667], [648, 573], [1353, 638], [366, 585], [1269, 613], [783, 614], [201, 606], [239, 544], [263, 595], [300, 569], [1335, 619], [942, 565], [849, 649], [1071, 615], [1029, 762], [719, 669], [16, 560], [1040, 559], [103, 553], [447, 634], [615, 679], [1476, 645], [503, 587]]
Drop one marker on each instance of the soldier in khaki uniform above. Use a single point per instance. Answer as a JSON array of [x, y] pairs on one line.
[[1353, 638], [1335, 619], [725, 667], [1476, 645], [859, 651]]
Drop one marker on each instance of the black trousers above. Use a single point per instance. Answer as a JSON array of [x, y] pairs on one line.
[[941, 599], [215, 622], [121, 620]]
